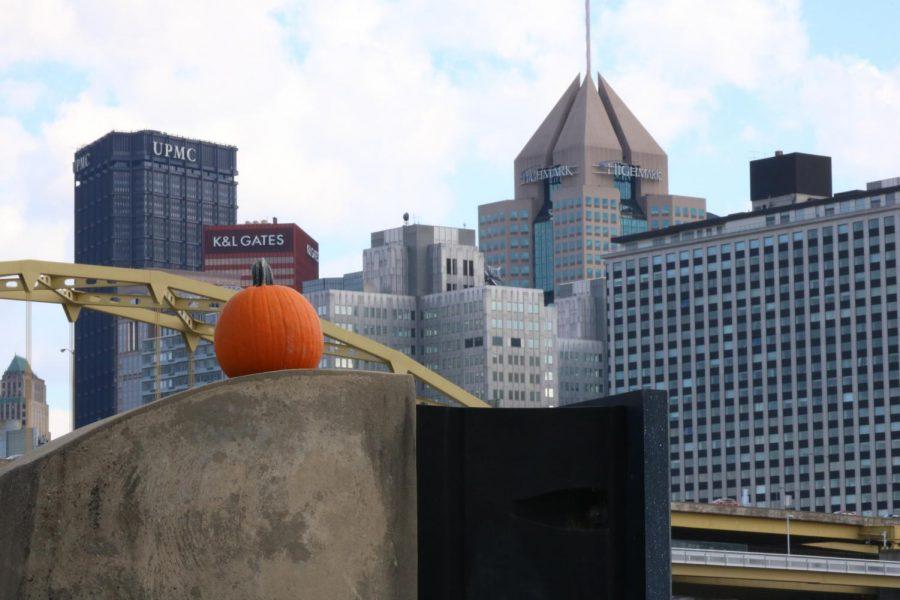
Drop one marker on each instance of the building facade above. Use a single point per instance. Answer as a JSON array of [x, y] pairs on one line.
[[352, 282], [24, 414], [775, 333], [141, 201], [231, 250], [505, 232], [425, 295], [417, 260], [591, 172], [581, 334], [153, 362], [496, 342], [163, 366]]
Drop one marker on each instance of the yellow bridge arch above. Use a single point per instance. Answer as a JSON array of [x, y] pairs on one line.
[[174, 301]]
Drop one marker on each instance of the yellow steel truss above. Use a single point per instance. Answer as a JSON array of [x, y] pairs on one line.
[[805, 526], [173, 301]]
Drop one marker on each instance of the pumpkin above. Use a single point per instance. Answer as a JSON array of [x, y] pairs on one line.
[[267, 327]]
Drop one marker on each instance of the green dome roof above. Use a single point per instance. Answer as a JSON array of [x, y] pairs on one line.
[[18, 365]]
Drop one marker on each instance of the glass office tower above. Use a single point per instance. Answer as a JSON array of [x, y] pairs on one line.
[[141, 200], [589, 173]]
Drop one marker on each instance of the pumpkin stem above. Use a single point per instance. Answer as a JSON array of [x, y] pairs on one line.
[[262, 273]]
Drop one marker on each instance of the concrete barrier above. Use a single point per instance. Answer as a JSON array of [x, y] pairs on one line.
[[295, 484]]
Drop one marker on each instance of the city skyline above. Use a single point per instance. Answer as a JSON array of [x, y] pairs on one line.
[[487, 95]]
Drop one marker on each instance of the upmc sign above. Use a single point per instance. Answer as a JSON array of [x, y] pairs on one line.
[[248, 240], [169, 150]]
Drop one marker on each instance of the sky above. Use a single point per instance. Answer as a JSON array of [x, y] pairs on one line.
[[348, 113]]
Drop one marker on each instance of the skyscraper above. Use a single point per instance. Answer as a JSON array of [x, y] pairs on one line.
[[24, 414], [589, 173], [424, 294], [141, 200], [775, 333]]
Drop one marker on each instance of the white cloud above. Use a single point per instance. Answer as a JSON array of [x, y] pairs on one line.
[[344, 113], [19, 95], [690, 54], [688, 51], [853, 109], [348, 113]]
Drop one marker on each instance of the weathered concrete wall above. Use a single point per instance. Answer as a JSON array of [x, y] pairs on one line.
[[296, 484]]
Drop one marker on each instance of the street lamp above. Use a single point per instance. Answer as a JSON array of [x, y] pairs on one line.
[[787, 519], [71, 351], [788, 502]]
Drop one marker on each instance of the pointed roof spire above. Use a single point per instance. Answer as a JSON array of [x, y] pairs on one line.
[[18, 365], [588, 125], [544, 139], [633, 136]]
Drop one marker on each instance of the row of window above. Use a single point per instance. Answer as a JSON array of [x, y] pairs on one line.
[[594, 201], [804, 317], [500, 216]]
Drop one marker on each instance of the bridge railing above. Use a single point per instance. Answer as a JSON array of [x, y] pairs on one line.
[[760, 560]]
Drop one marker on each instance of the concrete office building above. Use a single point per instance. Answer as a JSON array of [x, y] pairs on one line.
[[422, 259], [497, 342], [157, 373], [352, 282], [231, 250], [581, 337], [425, 295], [775, 333], [141, 200], [24, 414], [589, 173], [141, 377]]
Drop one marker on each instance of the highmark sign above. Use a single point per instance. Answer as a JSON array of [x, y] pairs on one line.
[[540, 174], [618, 169]]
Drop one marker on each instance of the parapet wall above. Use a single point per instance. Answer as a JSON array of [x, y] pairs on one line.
[[295, 484]]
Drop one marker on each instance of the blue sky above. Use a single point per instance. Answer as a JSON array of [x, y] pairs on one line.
[[348, 113], [835, 29]]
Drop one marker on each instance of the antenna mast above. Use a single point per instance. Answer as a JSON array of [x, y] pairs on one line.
[[587, 34]]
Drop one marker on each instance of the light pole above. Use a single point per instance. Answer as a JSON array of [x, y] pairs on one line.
[[787, 519], [71, 351]]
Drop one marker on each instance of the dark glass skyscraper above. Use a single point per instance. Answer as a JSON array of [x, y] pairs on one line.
[[141, 200]]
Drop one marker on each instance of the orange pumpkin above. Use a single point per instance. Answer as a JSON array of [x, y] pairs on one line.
[[267, 327]]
